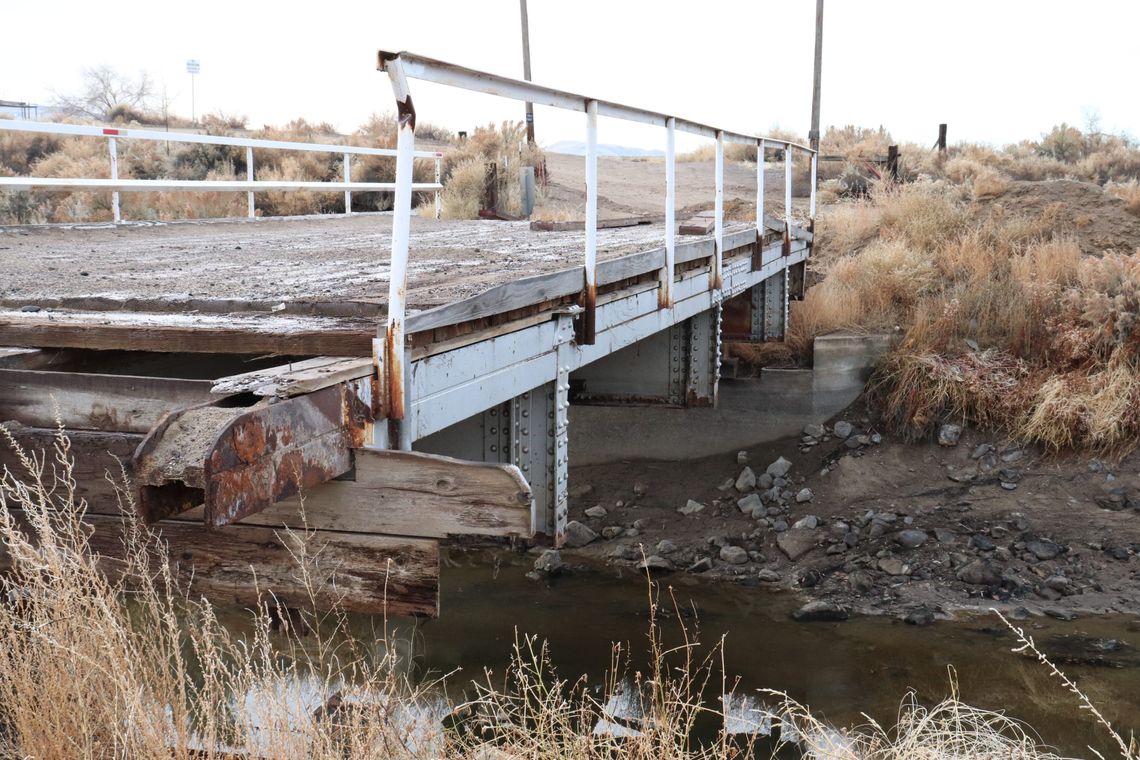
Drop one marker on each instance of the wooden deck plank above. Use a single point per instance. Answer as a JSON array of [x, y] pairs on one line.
[[189, 333]]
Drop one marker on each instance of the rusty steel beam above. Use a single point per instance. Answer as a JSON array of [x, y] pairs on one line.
[[238, 462]]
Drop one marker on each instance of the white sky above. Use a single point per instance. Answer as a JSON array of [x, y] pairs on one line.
[[995, 70]]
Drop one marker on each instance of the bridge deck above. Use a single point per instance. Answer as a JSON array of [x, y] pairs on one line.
[[184, 266]]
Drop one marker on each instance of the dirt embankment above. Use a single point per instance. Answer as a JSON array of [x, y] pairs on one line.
[[862, 523]]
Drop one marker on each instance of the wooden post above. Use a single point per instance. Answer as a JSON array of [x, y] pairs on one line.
[[941, 144], [526, 70], [491, 187], [813, 133], [893, 162]]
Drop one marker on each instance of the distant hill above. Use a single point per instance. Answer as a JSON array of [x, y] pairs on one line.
[[572, 148]]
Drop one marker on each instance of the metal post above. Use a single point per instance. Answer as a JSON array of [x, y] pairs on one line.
[[112, 145], [665, 295], [760, 150], [347, 179], [438, 194], [249, 176], [401, 229], [718, 213], [526, 71], [814, 183], [788, 184], [813, 135], [591, 285]]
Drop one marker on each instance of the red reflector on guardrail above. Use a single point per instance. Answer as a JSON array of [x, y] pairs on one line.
[[110, 131]]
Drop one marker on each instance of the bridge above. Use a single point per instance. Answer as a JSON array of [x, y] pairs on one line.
[[253, 375]]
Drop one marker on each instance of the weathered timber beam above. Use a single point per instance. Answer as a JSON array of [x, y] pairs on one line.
[[187, 333], [777, 225], [296, 378], [94, 454], [410, 494], [242, 564], [82, 401]]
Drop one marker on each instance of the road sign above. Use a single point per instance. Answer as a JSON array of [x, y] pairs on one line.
[[193, 66]]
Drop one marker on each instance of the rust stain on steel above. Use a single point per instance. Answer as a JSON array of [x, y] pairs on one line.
[[787, 239], [395, 372], [587, 332], [692, 398], [276, 451]]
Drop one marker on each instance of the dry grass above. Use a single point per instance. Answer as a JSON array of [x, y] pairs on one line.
[[466, 178], [1129, 192]]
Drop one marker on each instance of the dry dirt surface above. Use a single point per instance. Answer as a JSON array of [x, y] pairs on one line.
[[916, 530], [1100, 222]]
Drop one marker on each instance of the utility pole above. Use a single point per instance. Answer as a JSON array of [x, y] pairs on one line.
[[526, 71], [813, 135]]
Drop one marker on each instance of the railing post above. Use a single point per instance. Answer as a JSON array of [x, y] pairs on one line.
[[113, 147], [591, 283], [787, 199], [814, 186], [401, 229], [347, 179], [760, 150], [249, 176], [718, 213], [438, 192], [665, 294]]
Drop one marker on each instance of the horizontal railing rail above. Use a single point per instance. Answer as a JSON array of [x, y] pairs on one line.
[[402, 66], [250, 185]]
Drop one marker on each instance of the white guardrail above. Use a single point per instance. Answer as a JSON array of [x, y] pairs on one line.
[[403, 66], [249, 185]]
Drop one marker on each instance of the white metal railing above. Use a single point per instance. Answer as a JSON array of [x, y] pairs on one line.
[[403, 66], [250, 185]]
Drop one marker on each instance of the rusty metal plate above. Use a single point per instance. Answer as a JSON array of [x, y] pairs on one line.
[[282, 449]]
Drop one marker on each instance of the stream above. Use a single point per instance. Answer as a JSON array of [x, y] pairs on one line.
[[841, 670]]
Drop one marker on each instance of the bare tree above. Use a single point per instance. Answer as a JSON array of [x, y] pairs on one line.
[[105, 90]]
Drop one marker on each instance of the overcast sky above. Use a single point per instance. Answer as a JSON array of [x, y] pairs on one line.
[[995, 70]]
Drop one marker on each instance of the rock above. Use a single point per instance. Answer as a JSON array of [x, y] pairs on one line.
[[981, 450], [949, 434], [640, 489], [861, 582], [746, 480], [665, 546], [702, 565], [805, 495], [894, 566], [750, 503], [30, 308], [919, 616], [809, 522], [742, 457], [796, 542], [851, 539], [1048, 594], [1006, 485], [982, 543], [639, 524], [1059, 583], [779, 468], [943, 536], [1117, 552], [549, 562], [876, 438], [1013, 455], [768, 576], [655, 563], [631, 532], [779, 525], [578, 535], [910, 539], [813, 430], [979, 573], [726, 485], [734, 555], [597, 512], [764, 481], [691, 507], [843, 429], [1059, 614], [578, 491], [820, 611], [1043, 550], [611, 532]]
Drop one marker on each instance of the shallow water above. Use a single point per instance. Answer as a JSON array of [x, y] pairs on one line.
[[842, 670]]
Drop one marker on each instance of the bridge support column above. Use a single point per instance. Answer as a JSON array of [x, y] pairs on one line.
[[770, 308]]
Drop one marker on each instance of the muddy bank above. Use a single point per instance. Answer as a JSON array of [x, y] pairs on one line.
[[868, 524]]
